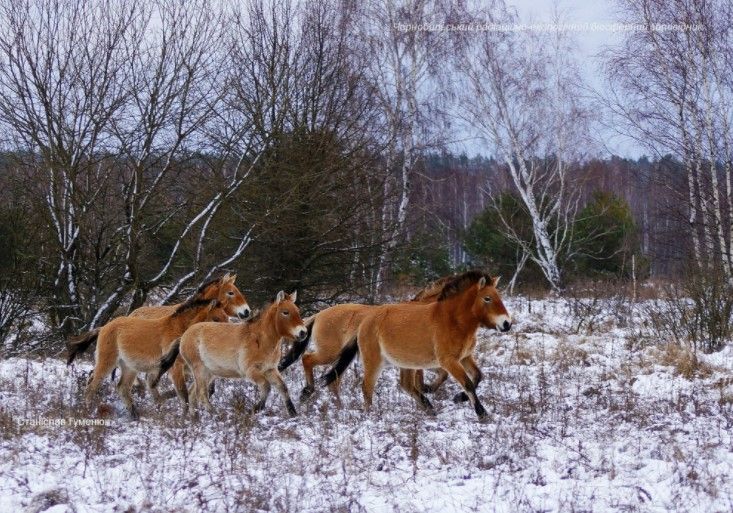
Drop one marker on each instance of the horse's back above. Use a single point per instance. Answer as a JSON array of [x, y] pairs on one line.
[[153, 312], [335, 326]]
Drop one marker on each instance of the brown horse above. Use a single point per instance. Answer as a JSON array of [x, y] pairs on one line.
[[222, 289], [331, 329], [136, 345], [248, 350], [428, 336]]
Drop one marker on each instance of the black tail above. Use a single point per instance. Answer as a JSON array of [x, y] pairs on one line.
[[345, 358], [81, 343], [296, 350], [167, 361]]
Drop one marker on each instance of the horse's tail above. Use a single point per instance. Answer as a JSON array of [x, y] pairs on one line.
[[298, 347], [77, 345], [345, 358], [167, 361]]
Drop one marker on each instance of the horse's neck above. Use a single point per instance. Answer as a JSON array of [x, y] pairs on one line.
[[459, 310], [265, 329], [179, 323]]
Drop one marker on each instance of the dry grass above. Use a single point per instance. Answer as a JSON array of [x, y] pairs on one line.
[[684, 361]]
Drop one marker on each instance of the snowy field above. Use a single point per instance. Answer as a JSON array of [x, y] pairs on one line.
[[587, 413]]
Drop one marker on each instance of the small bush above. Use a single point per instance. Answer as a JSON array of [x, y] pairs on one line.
[[697, 312], [607, 238]]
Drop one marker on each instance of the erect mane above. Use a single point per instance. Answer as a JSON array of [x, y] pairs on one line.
[[433, 288], [202, 288], [460, 283], [192, 303], [259, 313]]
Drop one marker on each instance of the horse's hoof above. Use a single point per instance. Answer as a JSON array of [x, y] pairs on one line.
[[460, 397], [481, 412], [306, 393]]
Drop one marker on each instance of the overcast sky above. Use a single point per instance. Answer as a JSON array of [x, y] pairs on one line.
[[589, 45]]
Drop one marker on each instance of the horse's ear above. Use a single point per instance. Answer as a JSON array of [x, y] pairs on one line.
[[495, 281], [224, 278], [214, 303], [280, 296], [294, 296], [232, 279], [481, 283]]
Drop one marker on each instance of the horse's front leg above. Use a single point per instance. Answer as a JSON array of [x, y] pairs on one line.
[[274, 378], [472, 368], [455, 369]]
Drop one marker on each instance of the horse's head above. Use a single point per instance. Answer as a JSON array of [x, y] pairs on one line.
[[228, 295], [288, 323], [488, 307]]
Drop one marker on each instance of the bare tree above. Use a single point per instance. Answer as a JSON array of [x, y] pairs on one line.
[[61, 70], [671, 91], [404, 60], [521, 92]]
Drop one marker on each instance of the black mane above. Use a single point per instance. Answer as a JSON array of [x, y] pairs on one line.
[[432, 289], [191, 303], [206, 285], [462, 282]]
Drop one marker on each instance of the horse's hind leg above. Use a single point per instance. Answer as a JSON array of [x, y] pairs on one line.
[[274, 377], [430, 388], [106, 361], [372, 362], [203, 379], [472, 368], [455, 369], [124, 388], [309, 361], [410, 384]]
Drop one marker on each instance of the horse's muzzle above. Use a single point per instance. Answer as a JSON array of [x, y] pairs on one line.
[[244, 313], [505, 326]]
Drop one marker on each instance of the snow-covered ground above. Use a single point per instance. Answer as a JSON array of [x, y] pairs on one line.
[[579, 421]]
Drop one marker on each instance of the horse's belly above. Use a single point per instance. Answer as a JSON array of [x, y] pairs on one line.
[[225, 367], [407, 359]]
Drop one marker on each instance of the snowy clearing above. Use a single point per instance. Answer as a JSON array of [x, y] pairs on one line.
[[578, 422]]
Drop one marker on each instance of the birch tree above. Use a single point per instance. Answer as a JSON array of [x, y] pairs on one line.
[[62, 66], [403, 62], [670, 89], [520, 90]]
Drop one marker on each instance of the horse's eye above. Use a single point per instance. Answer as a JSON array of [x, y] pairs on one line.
[[487, 299], [230, 294], [286, 313]]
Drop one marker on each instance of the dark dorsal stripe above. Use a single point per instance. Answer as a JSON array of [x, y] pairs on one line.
[[462, 282], [193, 303]]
